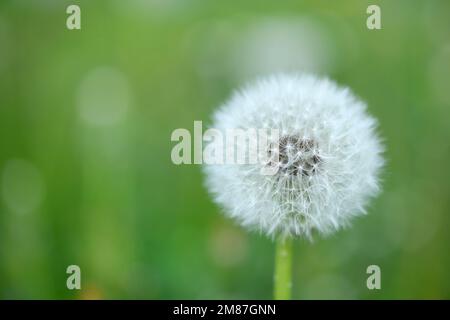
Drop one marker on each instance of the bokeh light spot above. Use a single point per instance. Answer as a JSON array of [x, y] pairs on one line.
[[103, 97], [22, 186]]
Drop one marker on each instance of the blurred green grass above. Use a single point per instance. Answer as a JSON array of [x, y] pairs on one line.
[[108, 198]]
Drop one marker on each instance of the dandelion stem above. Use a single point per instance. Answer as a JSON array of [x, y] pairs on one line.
[[283, 269]]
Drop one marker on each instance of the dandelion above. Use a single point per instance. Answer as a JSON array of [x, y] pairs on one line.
[[328, 160]]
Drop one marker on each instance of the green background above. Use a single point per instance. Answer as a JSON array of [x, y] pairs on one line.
[[85, 122]]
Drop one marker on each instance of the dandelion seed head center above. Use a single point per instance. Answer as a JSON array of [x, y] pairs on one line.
[[296, 156]]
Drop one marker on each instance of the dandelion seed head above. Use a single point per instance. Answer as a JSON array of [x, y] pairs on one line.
[[328, 159]]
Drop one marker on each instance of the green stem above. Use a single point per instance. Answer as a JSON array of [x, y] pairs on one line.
[[283, 269]]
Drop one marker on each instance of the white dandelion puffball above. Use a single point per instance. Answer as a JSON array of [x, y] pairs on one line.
[[329, 157]]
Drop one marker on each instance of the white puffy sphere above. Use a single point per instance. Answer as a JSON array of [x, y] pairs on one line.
[[329, 157]]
